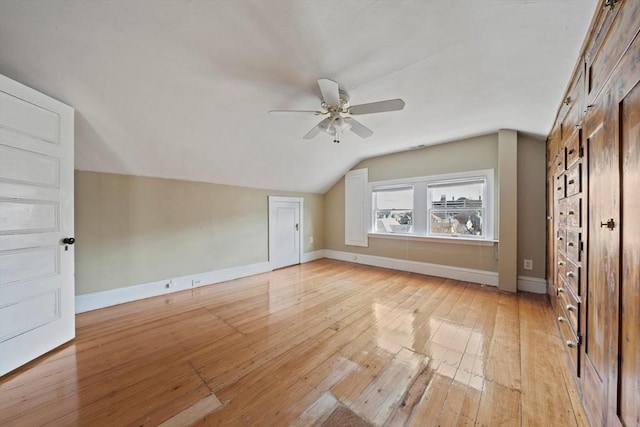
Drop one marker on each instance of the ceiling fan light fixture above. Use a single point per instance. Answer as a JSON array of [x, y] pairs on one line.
[[342, 124], [337, 124]]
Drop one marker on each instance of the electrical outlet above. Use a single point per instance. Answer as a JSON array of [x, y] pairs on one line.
[[310, 239], [528, 264], [196, 282]]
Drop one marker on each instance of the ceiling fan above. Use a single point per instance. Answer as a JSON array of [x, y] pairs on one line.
[[335, 105]]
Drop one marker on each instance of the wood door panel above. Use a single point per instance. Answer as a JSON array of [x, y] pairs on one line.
[[601, 258], [611, 43], [574, 111], [629, 343]]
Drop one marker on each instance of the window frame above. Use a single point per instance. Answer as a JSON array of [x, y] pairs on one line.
[[388, 188], [421, 203]]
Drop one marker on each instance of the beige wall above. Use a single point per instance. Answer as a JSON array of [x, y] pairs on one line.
[[531, 205], [133, 230], [466, 155], [507, 194]]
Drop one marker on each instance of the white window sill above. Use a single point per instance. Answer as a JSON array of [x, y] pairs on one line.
[[454, 240]]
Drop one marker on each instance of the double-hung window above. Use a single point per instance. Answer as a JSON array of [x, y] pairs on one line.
[[393, 209], [457, 208], [458, 205]]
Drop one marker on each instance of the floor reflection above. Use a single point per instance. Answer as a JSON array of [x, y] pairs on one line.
[[456, 351]]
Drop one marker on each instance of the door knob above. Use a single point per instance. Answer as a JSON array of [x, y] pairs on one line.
[[610, 224], [68, 241]]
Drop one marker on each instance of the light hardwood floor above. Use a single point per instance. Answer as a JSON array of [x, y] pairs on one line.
[[307, 345]]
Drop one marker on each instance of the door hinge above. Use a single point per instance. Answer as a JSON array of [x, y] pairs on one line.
[[297, 227], [579, 339], [581, 151]]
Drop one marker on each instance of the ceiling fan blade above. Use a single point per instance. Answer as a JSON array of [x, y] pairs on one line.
[[316, 129], [359, 129], [297, 111], [330, 93], [377, 107]]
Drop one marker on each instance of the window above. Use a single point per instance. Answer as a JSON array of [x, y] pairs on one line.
[[456, 208], [456, 205], [393, 209]]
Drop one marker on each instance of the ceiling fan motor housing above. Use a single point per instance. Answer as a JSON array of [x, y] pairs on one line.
[[344, 102]]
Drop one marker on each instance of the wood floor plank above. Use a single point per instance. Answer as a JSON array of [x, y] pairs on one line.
[[427, 411], [382, 396], [294, 345], [505, 344], [554, 402], [193, 413], [318, 411]]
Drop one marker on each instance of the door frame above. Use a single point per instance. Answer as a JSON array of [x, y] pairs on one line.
[[271, 231]]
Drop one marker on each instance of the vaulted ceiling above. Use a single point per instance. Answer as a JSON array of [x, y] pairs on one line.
[[181, 89]]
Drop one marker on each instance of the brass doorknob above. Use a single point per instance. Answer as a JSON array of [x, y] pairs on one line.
[[610, 224]]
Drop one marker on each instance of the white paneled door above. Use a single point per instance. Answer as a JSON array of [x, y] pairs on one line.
[[285, 231], [36, 224]]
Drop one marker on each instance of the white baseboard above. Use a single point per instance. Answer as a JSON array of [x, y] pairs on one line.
[[458, 273], [312, 256], [532, 284], [96, 300]]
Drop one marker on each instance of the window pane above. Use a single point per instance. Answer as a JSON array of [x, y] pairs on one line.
[[457, 195], [457, 208], [393, 210], [467, 222]]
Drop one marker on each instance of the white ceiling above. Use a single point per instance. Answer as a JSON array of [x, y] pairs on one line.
[[181, 89]]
